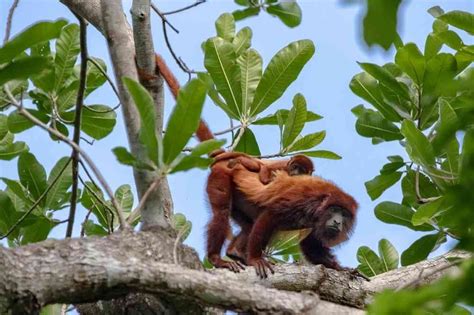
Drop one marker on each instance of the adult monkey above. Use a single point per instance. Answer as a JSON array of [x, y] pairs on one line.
[[293, 203], [224, 199]]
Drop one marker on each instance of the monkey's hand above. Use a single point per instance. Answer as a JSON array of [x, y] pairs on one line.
[[234, 266], [262, 267]]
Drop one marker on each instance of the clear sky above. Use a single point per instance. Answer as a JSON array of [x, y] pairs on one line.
[[335, 30]]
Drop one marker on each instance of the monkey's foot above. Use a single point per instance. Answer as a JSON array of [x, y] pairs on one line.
[[262, 267], [237, 256], [234, 266]]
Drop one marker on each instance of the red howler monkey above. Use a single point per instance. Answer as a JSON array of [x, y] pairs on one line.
[[293, 203]]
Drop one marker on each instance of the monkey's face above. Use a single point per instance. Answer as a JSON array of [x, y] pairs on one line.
[[300, 165], [335, 226]]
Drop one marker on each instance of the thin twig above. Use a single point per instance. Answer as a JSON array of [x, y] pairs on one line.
[[8, 28], [175, 247], [178, 60], [36, 203], [239, 136], [226, 130], [84, 223], [269, 156], [88, 160], [104, 73], [136, 212], [195, 4], [77, 123], [163, 18]]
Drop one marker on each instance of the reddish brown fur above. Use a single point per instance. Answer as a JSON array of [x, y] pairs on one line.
[[292, 203]]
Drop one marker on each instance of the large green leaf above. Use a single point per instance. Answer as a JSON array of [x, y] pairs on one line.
[[370, 264], [221, 62], [289, 12], [425, 185], [248, 143], [12, 150], [225, 26], [460, 19], [242, 40], [250, 64], [447, 125], [380, 22], [34, 34], [32, 175], [124, 197], [427, 211], [58, 191], [38, 231], [184, 119], [420, 249], [126, 158], [67, 49], [433, 45], [18, 123], [380, 183], [307, 142], [372, 124], [188, 162], [282, 70], [93, 199], [272, 118], [145, 105], [67, 96], [16, 87], [295, 122], [95, 78], [386, 78], [366, 87], [394, 213], [23, 68], [388, 255], [418, 146], [324, 154], [8, 214], [245, 13], [391, 167], [97, 121], [411, 61], [215, 97], [92, 229]]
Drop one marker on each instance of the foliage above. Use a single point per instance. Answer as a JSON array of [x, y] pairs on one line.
[[424, 101]]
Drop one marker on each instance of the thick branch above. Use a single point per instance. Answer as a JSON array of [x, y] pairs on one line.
[[83, 270]]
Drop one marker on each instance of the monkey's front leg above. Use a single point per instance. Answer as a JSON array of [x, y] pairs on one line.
[[262, 231]]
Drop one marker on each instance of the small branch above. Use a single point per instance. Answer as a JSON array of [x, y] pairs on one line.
[[176, 243], [269, 156], [83, 226], [178, 60], [111, 83], [239, 136], [163, 18], [8, 27], [77, 123], [195, 4], [88, 160], [36, 203], [226, 130], [136, 212]]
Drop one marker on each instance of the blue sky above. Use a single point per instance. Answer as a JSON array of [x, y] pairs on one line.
[[335, 31]]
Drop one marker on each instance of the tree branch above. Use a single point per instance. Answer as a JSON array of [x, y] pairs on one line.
[[8, 27]]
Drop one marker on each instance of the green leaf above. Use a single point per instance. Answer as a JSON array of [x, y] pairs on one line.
[[418, 146], [245, 13], [242, 40], [124, 197], [366, 87], [425, 185], [214, 95], [188, 162], [10, 151], [411, 61], [38, 231], [207, 146], [324, 154], [184, 119], [380, 183], [225, 26], [58, 191], [389, 168], [386, 78], [126, 158], [420, 249], [433, 45], [308, 141], [451, 39], [181, 225], [460, 19], [282, 70], [8, 214], [97, 121], [18, 123], [23, 68], [32, 175], [145, 106], [92, 229], [427, 211], [394, 213], [288, 12], [370, 263], [95, 78], [295, 122], [67, 96], [272, 118], [372, 124], [248, 144], [380, 22], [33, 35], [67, 49], [388, 255], [221, 62], [447, 125], [93, 199], [250, 64]]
